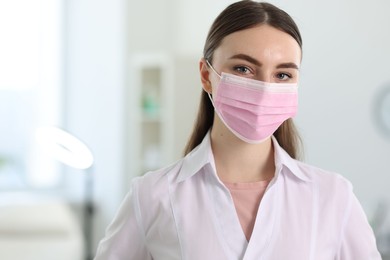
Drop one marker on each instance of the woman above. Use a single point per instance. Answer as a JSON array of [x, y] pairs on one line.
[[239, 193]]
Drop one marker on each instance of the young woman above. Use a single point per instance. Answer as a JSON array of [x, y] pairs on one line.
[[240, 193]]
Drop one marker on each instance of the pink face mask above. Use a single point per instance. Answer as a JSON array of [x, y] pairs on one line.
[[252, 109]]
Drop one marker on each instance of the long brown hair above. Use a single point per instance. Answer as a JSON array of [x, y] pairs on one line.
[[239, 16]]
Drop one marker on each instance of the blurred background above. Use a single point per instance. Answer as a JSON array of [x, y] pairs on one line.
[[121, 76]]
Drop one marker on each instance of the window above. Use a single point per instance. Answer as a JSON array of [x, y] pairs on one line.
[[30, 89]]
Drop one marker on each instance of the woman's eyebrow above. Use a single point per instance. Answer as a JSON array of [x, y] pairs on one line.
[[247, 58], [286, 65]]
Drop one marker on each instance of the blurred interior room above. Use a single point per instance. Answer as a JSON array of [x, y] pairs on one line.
[[95, 93]]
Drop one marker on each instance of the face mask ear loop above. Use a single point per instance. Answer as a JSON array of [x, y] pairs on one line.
[[212, 68], [211, 99]]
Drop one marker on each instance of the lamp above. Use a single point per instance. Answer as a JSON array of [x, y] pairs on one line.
[[69, 150], [382, 110], [381, 222]]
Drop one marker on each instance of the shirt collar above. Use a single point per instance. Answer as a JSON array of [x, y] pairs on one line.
[[283, 159], [202, 155], [197, 159]]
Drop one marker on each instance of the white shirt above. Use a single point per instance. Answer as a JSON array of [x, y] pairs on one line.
[[185, 212]]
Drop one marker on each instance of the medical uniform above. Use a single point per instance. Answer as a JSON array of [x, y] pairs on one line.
[[185, 212]]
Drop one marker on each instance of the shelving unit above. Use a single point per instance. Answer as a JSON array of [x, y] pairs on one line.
[[149, 113]]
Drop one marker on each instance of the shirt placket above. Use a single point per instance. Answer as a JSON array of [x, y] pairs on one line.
[[225, 219], [266, 221]]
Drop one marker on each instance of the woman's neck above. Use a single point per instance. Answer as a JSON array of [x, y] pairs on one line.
[[238, 161]]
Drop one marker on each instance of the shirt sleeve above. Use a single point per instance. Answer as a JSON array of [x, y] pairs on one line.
[[124, 238], [358, 240]]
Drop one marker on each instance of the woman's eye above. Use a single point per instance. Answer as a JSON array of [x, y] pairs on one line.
[[242, 69], [283, 76]]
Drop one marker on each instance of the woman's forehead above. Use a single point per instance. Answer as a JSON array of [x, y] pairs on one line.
[[260, 42]]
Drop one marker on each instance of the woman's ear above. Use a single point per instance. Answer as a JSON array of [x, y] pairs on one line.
[[205, 76]]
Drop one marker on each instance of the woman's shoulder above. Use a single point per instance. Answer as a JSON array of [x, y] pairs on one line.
[[332, 192], [156, 183], [325, 180]]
